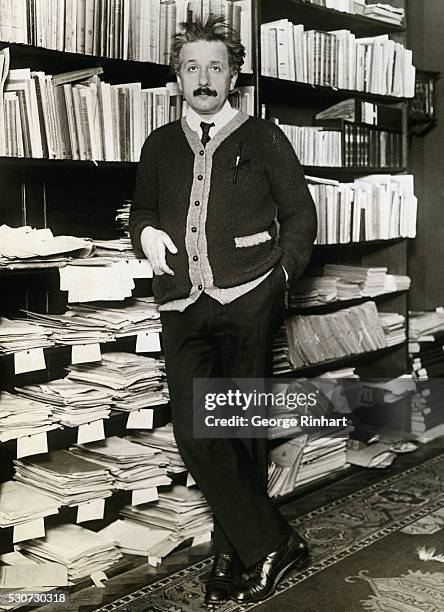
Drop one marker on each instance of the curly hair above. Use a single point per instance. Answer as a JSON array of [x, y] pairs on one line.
[[213, 29]]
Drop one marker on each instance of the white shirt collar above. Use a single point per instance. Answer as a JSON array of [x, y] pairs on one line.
[[220, 119]]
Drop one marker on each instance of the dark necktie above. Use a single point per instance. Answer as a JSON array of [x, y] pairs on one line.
[[206, 132]]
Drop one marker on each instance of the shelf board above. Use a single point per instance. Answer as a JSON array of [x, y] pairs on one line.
[[322, 18], [342, 362], [65, 163], [340, 172], [302, 94], [339, 304], [359, 245]]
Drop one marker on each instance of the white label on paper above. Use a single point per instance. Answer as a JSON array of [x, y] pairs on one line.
[[140, 419], [440, 309], [154, 561], [90, 511], [148, 342], [90, 432], [34, 575], [143, 496], [32, 445], [190, 480], [202, 538], [85, 353], [97, 578], [28, 531], [29, 361]]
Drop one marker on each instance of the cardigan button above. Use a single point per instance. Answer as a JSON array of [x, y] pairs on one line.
[[195, 258], [197, 203], [194, 229], [200, 177], [200, 287], [201, 152]]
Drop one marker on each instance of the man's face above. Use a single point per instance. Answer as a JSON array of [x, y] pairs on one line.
[[205, 77]]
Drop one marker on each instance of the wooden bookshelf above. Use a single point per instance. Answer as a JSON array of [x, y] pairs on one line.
[[339, 304]]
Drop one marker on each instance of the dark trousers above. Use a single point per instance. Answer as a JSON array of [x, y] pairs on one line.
[[210, 340]]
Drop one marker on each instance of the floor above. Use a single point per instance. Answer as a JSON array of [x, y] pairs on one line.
[[91, 598]]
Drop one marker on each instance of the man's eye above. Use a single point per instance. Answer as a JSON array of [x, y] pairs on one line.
[[191, 68], [216, 68]]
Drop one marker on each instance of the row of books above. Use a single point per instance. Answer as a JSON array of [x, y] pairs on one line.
[[375, 207], [382, 12], [125, 29], [344, 282], [313, 339], [345, 6], [88, 120], [348, 146], [336, 59]]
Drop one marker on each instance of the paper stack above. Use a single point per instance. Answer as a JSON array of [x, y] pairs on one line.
[[397, 282], [133, 381], [393, 325], [66, 477], [313, 291], [82, 551], [23, 417], [22, 247], [22, 335], [385, 12], [427, 413], [357, 281], [132, 466], [21, 504], [183, 511], [73, 404], [281, 358], [95, 323], [99, 280], [135, 538], [323, 456], [162, 439], [426, 344], [317, 338], [122, 218]]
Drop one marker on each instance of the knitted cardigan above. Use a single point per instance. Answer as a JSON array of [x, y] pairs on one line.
[[222, 219]]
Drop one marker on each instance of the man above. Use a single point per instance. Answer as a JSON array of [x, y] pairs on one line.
[[209, 189]]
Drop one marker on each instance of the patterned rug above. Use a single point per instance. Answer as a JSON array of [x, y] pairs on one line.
[[363, 551]]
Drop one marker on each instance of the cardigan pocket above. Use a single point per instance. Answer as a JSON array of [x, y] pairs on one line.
[[252, 240]]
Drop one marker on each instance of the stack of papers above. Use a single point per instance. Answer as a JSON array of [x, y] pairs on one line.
[[121, 248], [422, 325], [393, 325], [283, 466], [397, 282], [385, 12], [182, 510], [323, 456], [73, 404], [21, 417], [82, 551], [133, 381], [20, 504], [132, 466], [281, 357], [357, 281], [162, 439], [66, 477], [23, 247], [122, 218], [313, 291], [95, 323], [135, 538], [22, 335]]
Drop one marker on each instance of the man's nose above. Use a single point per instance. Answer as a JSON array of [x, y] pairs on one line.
[[204, 78]]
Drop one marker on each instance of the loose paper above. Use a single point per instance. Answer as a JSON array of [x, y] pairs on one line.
[[29, 361], [28, 531], [35, 575], [143, 496], [97, 578], [32, 445], [140, 268], [148, 342], [90, 432], [90, 511], [140, 419], [202, 538], [85, 353], [190, 480]]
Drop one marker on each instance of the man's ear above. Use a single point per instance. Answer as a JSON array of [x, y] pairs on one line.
[[179, 82], [233, 80]]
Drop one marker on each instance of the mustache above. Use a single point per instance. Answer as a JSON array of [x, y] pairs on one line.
[[206, 91]]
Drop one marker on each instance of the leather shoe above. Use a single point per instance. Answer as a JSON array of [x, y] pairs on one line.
[[293, 554], [224, 578]]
